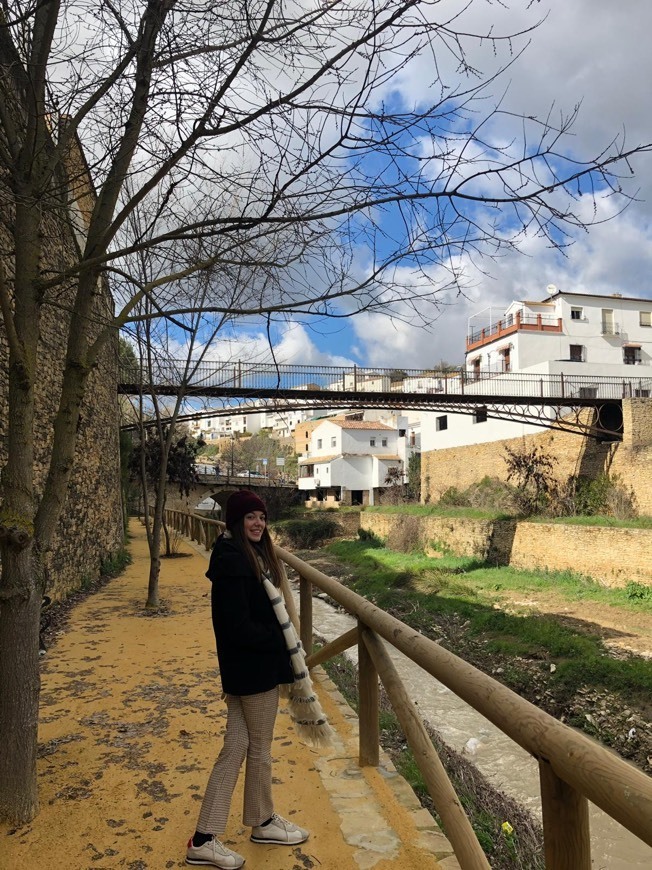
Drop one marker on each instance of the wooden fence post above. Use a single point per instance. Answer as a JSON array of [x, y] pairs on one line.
[[305, 611], [455, 821], [565, 811], [368, 705]]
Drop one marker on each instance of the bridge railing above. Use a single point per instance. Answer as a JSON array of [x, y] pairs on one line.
[[244, 378], [573, 769]]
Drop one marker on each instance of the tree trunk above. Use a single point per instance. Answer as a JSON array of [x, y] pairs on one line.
[[166, 532], [20, 606], [154, 565]]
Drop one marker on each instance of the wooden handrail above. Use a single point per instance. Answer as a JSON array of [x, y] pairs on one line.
[[573, 768], [456, 823], [617, 787]]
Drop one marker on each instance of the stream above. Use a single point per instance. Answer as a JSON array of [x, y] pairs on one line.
[[505, 764]]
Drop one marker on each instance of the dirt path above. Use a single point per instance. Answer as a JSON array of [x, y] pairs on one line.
[[627, 630], [131, 722]]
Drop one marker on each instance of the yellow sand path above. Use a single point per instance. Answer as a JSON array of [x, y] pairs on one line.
[[131, 722]]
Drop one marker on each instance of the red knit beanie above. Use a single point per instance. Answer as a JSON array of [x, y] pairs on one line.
[[240, 503]]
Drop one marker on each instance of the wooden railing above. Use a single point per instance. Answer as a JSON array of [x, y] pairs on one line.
[[573, 769]]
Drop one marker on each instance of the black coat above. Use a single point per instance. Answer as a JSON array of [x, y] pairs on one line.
[[251, 649]]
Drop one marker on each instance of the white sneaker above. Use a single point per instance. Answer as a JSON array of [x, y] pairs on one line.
[[279, 831], [214, 853]]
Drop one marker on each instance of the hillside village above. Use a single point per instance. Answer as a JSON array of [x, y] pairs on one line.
[[587, 342]]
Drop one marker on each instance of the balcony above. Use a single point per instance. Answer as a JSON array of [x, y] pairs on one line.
[[520, 322]]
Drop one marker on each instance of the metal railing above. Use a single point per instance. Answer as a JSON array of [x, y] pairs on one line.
[[572, 768], [267, 379]]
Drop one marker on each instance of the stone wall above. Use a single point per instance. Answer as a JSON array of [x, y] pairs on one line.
[[90, 529], [487, 539], [611, 556], [629, 460]]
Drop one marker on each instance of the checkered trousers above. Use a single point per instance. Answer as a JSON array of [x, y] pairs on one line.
[[249, 733]]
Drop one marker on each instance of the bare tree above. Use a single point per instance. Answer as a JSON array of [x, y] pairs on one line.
[[254, 136]]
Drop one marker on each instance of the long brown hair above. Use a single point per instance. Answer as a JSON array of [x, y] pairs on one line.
[[264, 550]]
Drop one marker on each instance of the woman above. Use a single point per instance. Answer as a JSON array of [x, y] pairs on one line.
[[254, 661]]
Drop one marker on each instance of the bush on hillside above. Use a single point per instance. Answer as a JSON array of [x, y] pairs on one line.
[[308, 534], [453, 497]]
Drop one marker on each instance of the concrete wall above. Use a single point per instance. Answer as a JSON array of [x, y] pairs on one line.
[[611, 556], [630, 460]]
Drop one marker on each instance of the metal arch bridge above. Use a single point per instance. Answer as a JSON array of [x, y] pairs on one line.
[[580, 404]]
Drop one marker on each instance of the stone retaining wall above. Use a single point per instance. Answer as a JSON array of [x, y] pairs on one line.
[[630, 460], [487, 539], [611, 556]]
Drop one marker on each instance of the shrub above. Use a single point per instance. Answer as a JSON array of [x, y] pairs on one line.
[[307, 534], [600, 496], [115, 564], [638, 592], [490, 493], [532, 471], [453, 497], [370, 537]]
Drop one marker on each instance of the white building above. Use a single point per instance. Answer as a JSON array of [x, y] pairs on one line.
[[578, 335], [349, 459]]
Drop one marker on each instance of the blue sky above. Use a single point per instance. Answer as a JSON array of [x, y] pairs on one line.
[[592, 52]]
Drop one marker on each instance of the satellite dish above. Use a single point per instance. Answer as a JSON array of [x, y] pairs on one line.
[[551, 289]]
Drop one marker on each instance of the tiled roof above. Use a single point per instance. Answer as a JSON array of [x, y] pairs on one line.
[[318, 460], [362, 424]]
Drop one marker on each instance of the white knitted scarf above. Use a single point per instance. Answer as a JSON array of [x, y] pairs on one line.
[[309, 719]]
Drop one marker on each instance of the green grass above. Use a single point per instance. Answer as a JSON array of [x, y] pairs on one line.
[[634, 523], [416, 588], [116, 563], [472, 576], [486, 514], [425, 510]]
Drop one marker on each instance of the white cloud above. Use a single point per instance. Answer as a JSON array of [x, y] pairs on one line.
[[589, 51]]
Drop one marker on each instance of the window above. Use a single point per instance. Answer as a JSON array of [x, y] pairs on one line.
[[413, 439], [384, 442], [645, 318], [631, 356], [319, 444], [588, 392], [372, 442], [333, 441], [505, 353], [577, 314], [480, 414], [609, 327], [576, 353], [441, 423]]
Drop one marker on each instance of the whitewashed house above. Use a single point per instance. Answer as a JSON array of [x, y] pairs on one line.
[[349, 460], [578, 335]]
